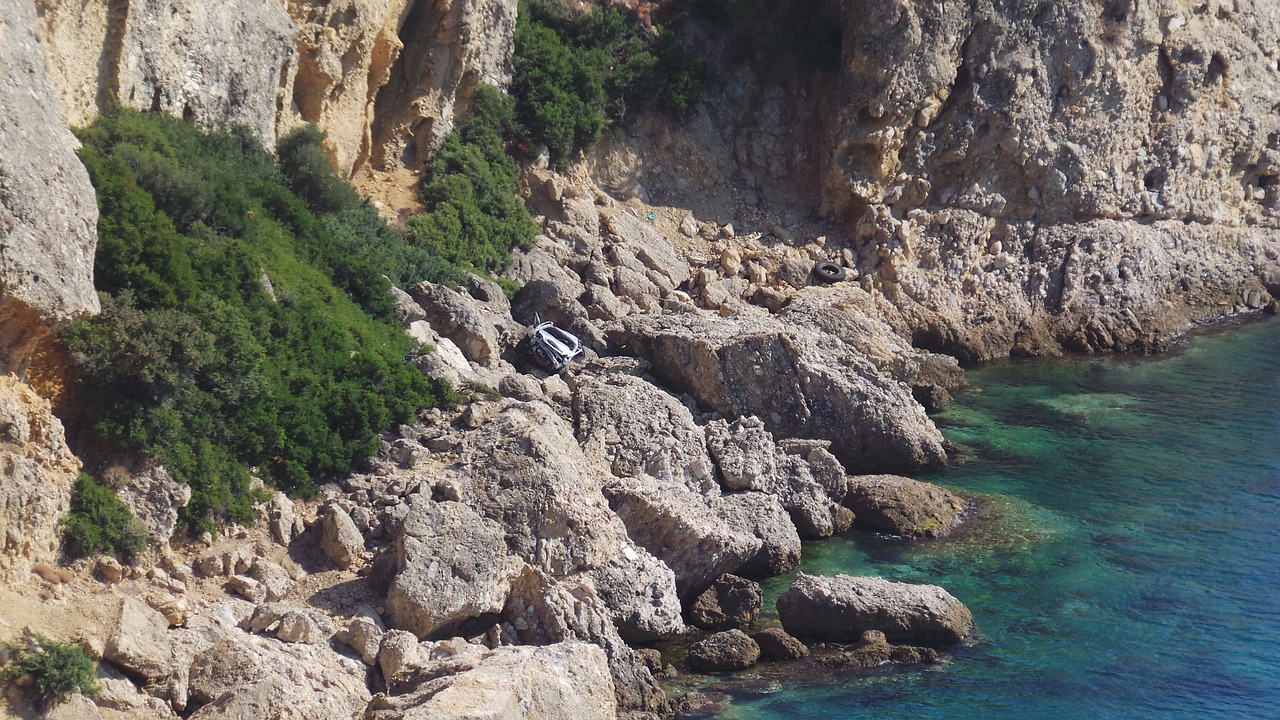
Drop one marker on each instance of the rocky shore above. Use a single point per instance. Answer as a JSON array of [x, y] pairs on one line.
[[520, 555]]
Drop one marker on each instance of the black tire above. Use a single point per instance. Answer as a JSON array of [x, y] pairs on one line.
[[829, 272]]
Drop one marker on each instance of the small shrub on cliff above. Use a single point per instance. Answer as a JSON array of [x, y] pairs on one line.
[[100, 523], [239, 327], [474, 217], [575, 73], [56, 669]]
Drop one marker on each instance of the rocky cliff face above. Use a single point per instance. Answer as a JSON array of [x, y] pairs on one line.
[[1101, 172], [381, 77], [48, 232]]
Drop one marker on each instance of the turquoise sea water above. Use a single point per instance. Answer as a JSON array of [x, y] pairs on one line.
[[1127, 562]]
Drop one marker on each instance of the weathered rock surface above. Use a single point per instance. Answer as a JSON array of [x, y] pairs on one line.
[[841, 608], [731, 603], [139, 644], [873, 649], [155, 497], [902, 506], [1021, 193], [37, 471], [631, 426], [565, 681], [451, 565], [776, 644], [340, 539], [481, 330], [48, 215], [525, 471], [729, 650], [799, 382], [763, 516], [545, 611], [678, 527]]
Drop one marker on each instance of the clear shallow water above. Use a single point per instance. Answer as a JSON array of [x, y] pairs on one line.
[[1127, 563]]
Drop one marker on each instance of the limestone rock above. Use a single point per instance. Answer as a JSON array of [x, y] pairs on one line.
[[544, 611], [48, 212], [450, 565], [207, 64], [731, 603], [631, 426], [874, 649], [73, 707], [283, 521], [565, 681], [729, 650], [681, 530], [155, 497], [364, 635], [799, 382], [763, 516], [902, 506], [776, 644], [35, 482], [841, 608], [477, 329], [650, 248], [525, 471], [340, 538], [398, 654], [139, 644]]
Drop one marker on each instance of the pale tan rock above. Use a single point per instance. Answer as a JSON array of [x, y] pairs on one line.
[[566, 681], [841, 608], [139, 644], [340, 538]]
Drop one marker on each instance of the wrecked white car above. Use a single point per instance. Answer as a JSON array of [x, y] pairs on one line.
[[554, 348]]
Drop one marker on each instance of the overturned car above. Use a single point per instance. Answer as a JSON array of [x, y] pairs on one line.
[[553, 348]]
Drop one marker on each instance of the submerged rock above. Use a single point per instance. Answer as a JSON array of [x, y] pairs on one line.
[[842, 608], [875, 650], [776, 644]]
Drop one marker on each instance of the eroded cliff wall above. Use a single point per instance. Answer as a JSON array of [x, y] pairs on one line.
[[1027, 175], [48, 233]]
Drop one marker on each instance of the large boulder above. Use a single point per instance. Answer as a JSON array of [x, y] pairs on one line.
[[139, 643], [631, 426], [729, 650], [565, 681], [155, 497], [680, 529], [902, 506], [776, 644], [482, 330], [764, 517], [451, 565], [545, 610], [525, 471], [731, 603], [798, 381], [340, 539], [842, 608]]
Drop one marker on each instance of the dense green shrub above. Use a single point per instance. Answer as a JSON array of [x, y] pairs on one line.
[[100, 523], [474, 217], [239, 327], [572, 74], [56, 669]]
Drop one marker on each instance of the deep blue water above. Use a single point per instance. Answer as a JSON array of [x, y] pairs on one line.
[[1127, 561]]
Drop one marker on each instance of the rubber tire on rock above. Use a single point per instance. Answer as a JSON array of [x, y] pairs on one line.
[[829, 272]]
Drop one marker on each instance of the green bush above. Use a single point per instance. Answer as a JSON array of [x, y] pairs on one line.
[[100, 523], [56, 669], [239, 328], [573, 74], [474, 217]]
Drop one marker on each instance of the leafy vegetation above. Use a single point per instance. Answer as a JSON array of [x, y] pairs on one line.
[[474, 217], [100, 523], [575, 73], [56, 669], [239, 317]]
